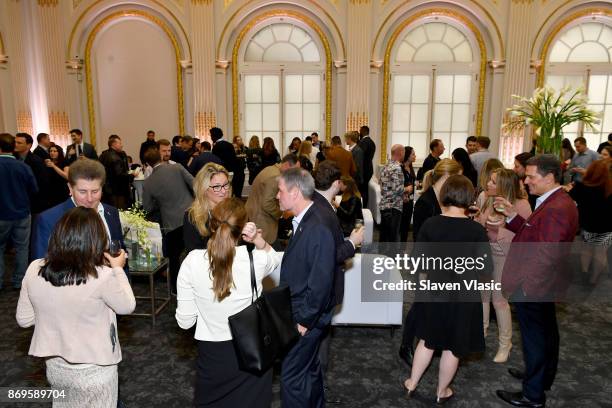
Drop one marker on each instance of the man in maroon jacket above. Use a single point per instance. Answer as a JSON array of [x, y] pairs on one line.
[[535, 274]]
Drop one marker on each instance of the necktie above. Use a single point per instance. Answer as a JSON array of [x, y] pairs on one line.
[[79, 152]]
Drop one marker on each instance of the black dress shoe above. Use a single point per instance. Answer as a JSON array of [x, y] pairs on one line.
[[517, 399], [516, 373], [406, 353], [444, 400], [329, 397]]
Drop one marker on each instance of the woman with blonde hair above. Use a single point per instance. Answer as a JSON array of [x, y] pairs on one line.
[[304, 154], [254, 158], [210, 187], [213, 284], [504, 183], [483, 179]]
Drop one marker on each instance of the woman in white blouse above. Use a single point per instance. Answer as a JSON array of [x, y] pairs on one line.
[[213, 284]]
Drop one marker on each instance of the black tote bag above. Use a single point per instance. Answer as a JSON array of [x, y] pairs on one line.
[[265, 329]]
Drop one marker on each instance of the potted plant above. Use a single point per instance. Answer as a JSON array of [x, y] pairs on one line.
[[549, 112]]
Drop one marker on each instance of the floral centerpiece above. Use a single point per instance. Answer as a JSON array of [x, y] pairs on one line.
[[136, 227], [549, 112]]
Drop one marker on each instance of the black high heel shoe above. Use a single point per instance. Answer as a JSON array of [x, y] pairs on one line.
[[444, 400], [408, 393]]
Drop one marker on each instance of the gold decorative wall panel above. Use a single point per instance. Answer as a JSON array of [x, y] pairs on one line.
[[59, 125], [203, 122], [356, 120], [452, 14], [88, 72], [328, 63], [24, 122]]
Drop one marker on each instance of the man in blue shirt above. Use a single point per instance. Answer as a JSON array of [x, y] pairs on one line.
[[18, 187], [581, 160]]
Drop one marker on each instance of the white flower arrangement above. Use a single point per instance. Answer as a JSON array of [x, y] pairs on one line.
[[135, 221], [549, 112]]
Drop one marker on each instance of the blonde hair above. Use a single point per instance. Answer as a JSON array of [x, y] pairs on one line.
[[254, 142], [226, 223], [485, 173], [427, 183], [199, 211], [445, 167], [507, 185], [305, 149]]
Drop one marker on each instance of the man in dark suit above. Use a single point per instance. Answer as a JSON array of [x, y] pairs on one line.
[[206, 156], [369, 148], [79, 148], [117, 190], [144, 146], [308, 269], [23, 144], [85, 182], [44, 143], [436, 148], [535, 275], [225, 151], [327, 186]]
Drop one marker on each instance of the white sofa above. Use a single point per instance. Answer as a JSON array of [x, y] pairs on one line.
[[374, 198], [354, 310]]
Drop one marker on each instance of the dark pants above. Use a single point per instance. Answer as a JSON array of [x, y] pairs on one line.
[[238, 183], [406, 218], [363, 189], [390, 221], [18, 232], [301, 377], [173, 242], [324, 352], [540, 335]]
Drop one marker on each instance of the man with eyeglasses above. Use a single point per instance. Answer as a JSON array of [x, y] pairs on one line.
[[167, 193]]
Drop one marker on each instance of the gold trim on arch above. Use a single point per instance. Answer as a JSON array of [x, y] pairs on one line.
[[328, 63], [160, 4], [387, 68], [499, 36], [560, 26], [1, 45], [88, 74], [247, 4]]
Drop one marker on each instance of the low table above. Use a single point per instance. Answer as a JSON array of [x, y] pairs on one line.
[[150, 269]]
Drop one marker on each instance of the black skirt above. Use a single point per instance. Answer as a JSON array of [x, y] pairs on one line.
[[220, 383]]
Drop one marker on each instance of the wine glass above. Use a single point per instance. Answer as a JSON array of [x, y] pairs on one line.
[[114, 248]]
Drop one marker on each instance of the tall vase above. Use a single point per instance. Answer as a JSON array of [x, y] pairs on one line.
[[550, 140]]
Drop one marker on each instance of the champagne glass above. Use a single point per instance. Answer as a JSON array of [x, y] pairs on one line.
[[358, 224]]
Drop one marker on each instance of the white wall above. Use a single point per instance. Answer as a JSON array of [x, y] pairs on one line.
[[135, 84]]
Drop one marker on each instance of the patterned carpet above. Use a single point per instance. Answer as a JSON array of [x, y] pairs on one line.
[[158, 362]]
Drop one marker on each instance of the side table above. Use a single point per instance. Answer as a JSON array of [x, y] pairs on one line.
[[149, 270]]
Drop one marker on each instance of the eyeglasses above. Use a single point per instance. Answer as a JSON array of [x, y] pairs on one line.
[[220, 187]]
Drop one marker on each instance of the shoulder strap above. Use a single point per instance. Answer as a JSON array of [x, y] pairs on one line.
[[254, 294]]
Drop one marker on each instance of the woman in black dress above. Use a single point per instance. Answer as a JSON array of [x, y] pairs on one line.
[[350, 208], [450, 321], [254, 157], [408, 201], [58, 176], [270, 154], [469, 171]]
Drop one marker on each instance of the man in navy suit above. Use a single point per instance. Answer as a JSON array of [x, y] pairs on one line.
[[225, 151], [85, 182], [79, 148], [308, 269]]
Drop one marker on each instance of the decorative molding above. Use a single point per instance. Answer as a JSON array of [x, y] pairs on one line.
[[496, 64], [480, 6], [376, 64], [24, 122], [565, 3], [340, 64], [75, 3], [49, 3], [186, 64], [359, 1], [96, 2], [229, 21], [354, 121], [88, 71], [460, 18], [201, 2], [328, 63], [595, 11], [221, 64], [74, 64], [3, 61], [522, 1], [203, 122]]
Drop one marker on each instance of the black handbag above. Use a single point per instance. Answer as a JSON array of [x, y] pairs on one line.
[[265, 329]]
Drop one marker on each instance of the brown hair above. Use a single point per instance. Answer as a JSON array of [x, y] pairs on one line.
[[76, 248], [254, 142], [163, 142], [86, 169], [598, 175], [351, 188], [486, 170], [508, 185], [457, 191], [226, 223]]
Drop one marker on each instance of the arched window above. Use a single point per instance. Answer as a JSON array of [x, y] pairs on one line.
[[282, 80], [433, 88], [581, 55]]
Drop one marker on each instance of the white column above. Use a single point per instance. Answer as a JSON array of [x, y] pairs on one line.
[[358, 63], [517, 77], [203, 56]]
